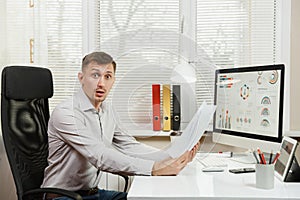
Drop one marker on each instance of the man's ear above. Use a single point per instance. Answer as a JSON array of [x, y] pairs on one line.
[[80, 76]]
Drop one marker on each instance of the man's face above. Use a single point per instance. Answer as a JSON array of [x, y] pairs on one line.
[[96, 81]]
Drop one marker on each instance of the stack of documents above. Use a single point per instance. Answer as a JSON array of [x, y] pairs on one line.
[[193, 132]]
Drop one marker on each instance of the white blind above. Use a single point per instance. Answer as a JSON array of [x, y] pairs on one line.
[[46, 34], [64, 42], [142, 36], [239, 32], [228, 33], [19, 30], [236, 33]]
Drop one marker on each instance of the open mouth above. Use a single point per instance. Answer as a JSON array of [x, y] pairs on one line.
[[100, 93]]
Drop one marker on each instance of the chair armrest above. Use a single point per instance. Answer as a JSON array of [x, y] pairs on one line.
[[41, 191], [126, 181]]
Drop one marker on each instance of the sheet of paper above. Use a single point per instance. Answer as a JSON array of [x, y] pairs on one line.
[[193, 132]]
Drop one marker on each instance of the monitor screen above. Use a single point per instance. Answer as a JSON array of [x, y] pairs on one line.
[[250, 102]]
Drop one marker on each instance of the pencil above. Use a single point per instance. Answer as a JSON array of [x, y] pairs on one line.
[[276, 157], [261, 155], [271, 155], [255, 156]]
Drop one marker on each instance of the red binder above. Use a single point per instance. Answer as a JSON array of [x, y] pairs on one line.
[[156, 107]]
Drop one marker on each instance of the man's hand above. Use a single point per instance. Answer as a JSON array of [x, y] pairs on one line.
[[194, 151], [171, 166]]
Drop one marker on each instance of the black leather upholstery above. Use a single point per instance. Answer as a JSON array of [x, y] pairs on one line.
[[27, 83], [24, 118]]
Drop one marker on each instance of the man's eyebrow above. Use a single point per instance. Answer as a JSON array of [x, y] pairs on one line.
[[99, 70]]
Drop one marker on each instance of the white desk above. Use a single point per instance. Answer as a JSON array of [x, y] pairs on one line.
[[192, 183]]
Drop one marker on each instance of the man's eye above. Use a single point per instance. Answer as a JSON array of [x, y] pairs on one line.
[[108, 76], [95, 75]]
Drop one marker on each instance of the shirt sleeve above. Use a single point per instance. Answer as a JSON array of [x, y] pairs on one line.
[[130, 146], [70, 126]]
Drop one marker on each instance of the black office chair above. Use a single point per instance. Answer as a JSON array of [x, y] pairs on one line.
[[24, 117]]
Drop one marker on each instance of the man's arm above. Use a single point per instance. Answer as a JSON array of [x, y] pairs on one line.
[[130, 146], [70, 127]]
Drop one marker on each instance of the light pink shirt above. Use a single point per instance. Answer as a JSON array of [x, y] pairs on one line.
[[82, 140]]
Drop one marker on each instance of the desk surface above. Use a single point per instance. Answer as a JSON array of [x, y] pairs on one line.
[[192, 183]]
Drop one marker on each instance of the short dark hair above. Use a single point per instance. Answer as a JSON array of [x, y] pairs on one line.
[[100, 58]]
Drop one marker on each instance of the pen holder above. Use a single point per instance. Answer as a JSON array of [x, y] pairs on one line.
[[264, 176]]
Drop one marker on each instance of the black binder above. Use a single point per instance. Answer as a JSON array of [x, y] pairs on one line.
[[176, 118]]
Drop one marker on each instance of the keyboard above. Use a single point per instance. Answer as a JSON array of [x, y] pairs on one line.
[[216, 160], [213, 160]]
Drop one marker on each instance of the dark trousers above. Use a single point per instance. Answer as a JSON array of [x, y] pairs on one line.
[[101, 195]]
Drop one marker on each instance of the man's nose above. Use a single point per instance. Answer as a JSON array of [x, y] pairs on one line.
[[100, 81]]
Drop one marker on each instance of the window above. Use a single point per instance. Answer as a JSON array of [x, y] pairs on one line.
[[238, 32], [64, 46], [47, 34], [228, 33], [19, 19], [143, 38], [147, 38]]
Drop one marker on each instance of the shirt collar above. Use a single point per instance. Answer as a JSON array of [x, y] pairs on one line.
[[86, 104]]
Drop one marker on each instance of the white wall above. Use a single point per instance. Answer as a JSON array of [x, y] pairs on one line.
[[7, 187], [295, 67]]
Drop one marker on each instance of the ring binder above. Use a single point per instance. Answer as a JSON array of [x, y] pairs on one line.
[[176, 108], [166, 107], [156, 107]]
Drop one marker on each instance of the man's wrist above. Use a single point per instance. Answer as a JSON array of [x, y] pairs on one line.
[[153, 172]]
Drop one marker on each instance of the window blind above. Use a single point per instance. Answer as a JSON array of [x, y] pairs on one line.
[[237, 33], [64, 46], [228, 33], [19, 30], [46, 34], [142, 36]]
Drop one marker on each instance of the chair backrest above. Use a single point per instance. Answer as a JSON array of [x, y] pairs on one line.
[[24, 118]]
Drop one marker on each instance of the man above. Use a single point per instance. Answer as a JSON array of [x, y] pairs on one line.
[[84, 138]]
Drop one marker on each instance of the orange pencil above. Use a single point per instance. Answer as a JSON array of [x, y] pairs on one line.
[[263, 160], [276, 157]]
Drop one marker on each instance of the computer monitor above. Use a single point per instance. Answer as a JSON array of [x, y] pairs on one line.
[[249, 110]]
